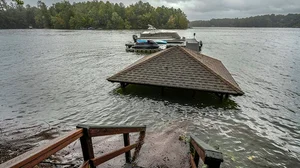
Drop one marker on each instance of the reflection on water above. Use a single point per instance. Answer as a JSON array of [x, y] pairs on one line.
[[52, 80], [183, 97]]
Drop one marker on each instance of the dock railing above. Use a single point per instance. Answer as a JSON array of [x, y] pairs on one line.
[[85, 133], [200, 150]]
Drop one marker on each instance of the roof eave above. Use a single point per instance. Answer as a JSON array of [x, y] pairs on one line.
[[212, 91]]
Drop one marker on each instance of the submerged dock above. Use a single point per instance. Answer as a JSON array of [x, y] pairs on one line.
[[182, 68]]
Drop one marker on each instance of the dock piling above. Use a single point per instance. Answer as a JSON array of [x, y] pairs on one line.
[[127, 143], [194, 94], [123, 85], [162, 91]]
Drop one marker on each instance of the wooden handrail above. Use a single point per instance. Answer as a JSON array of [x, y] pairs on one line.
[[85, 133], [210, 156], [35, 156], [99, 160], [96, 130], [139, 145]]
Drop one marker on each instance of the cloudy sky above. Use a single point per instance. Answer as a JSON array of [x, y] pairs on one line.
[[208, 9]]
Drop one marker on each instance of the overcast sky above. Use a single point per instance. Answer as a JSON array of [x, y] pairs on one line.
[[208, 9]]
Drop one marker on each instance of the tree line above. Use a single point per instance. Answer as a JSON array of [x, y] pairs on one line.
[[290, 20], [95, 14]]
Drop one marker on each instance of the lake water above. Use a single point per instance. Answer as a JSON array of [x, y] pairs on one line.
[[52, 80]]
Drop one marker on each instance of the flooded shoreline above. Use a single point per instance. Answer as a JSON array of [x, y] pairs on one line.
[[52, 80]]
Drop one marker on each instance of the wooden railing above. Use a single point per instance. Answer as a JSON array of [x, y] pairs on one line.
[[211, 157], [85, 133], [94, 131]]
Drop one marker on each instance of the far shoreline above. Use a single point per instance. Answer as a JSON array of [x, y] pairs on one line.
[[149, 30]]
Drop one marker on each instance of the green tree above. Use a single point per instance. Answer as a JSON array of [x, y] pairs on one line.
[[82, 15], [290, 20], [42, 18], [171, 22], [61, 14], [19, 2], [30, 15], [116, 22]]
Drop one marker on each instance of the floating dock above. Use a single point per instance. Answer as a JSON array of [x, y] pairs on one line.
[[173, 45], [192, 44], [130, 49], [143, 50]]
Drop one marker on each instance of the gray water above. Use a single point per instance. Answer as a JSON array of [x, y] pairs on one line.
[[56, 79]]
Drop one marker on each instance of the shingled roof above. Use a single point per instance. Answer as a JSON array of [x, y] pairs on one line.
[[179, 67]]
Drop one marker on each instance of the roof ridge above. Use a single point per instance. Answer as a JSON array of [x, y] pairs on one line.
[[133, 65], [191, 53]]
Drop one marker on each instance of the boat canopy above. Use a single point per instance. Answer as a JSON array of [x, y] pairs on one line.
[[160, 34], [150, 27]]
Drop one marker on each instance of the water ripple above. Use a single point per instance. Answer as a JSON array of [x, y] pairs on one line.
[[58, 80]]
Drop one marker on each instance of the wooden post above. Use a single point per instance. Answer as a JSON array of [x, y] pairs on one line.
[[123, 85], [210, 156], [127, 143], [194, 94], [162, 91], [196, 155], [87, 147], [196, 159], [219, 95], [139, 145], [226, 95]]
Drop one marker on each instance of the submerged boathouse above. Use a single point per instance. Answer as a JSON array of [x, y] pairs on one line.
[[179, 67]]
